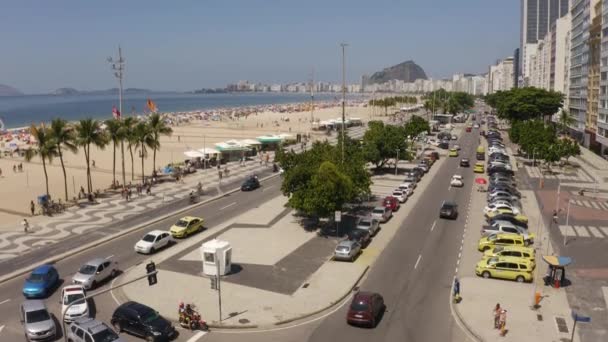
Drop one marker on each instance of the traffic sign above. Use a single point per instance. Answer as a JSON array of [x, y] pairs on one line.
[[338, 215], [578, 318]]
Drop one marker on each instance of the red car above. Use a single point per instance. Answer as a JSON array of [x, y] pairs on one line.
[[391, 202], [365, 309], [469, 129]]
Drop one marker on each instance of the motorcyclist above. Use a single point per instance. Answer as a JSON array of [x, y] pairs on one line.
[[199, 188], [192, 197], [181, 309]]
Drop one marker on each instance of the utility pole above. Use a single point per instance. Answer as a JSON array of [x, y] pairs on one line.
[[312, 97], [343, 45], [118, 67]]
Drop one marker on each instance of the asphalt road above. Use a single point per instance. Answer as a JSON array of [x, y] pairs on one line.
[[414, 273], [121, 250]]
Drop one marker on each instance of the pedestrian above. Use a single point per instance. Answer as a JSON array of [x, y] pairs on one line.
[[15, 168], [149, 189], [555, 216], [93, 163], [32, 207], [0, 172], [26, 225], [502, 321], [456, 290], [497, 311], [219, 172], [20, 167]]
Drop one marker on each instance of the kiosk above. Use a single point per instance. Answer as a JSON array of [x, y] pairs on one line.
[[556, 271], [217, 256]]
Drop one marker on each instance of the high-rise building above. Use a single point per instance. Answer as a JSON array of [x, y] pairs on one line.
[[537, 17], [602, 119], [516, 71], [579, 65]]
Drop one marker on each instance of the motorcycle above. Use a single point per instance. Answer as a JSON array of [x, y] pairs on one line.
[[192, 321]]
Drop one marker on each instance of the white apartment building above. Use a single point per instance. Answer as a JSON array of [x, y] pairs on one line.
[[602, 119], [560, 52], [579, 62], [501, 76]]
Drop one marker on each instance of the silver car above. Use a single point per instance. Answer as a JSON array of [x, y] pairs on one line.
[[89, 329], [347, 250], [382, 214], [94, 272], [37, 321], [370, 224]]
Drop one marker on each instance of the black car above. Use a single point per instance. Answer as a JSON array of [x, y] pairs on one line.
[[464, 162], [362, 236], [142, 321], [509, 218], [250, 184], [445, 144], [448, 210]]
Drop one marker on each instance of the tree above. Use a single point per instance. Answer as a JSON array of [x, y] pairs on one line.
[[565, 120], [415, 126], [568, 148], [115, 134], [88, 132], [63, 136], [144, 139], [46, 149], [157, 127], [525, 103], [381, 142], [127, 126]]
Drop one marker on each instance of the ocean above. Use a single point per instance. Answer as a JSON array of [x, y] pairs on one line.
[[21, 111]]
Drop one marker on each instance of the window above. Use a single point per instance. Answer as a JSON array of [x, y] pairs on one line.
[[100, 268], [209, 257], [511, 266], [80, 333], [505, 241], [510, 230], [87, 338], [523, 267], [106, 264], [526, 255]]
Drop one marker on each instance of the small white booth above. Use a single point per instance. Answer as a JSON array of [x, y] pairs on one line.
[[219, 249]]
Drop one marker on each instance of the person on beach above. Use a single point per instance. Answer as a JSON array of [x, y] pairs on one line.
[[32, 207], [26, 225], [0, 172], [15, 168], [497, 310], [93, 163]]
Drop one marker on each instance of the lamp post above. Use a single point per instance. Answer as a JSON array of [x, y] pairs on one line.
[[343, 45], [567, 221], [118, 66], [397, 162]]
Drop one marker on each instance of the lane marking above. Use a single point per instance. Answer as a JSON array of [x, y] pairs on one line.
[[418, 261], [267, 188], [228, 206], [5, 301], [433, 226], [197, 336], [1, 327], [111, 256]]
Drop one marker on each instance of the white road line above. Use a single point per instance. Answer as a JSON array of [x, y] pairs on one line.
[[418, 261], [197, 336], [595, 232], [603, 205], [567, 230], [111, 256], [228, 206], [594, 204], [604, 229], [586, 204], [581, 231], [605, 292], [433, 226], [1, 328], [5, 301], [267, 188]]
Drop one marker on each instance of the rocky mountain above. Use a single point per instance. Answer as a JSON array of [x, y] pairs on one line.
[[9, 91], [65, 91], [111, 91], [407, 71]]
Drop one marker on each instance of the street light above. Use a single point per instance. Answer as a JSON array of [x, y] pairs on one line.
[[343, 45], [397, 162], [118, 66]]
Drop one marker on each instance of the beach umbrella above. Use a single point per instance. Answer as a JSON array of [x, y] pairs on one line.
[[481, 181]]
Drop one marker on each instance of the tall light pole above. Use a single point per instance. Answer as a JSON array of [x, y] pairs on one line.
[[118, 67], [343, 45], [312, 97]]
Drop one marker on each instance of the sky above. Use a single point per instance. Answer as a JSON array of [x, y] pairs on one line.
[[191, 44]]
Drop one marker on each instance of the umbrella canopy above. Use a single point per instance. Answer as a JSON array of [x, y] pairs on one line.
[[269, 139], [560, 261], [193, 154], [481, 181]]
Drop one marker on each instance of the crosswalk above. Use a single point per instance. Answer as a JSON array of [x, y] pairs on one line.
[[579, 175], [593, 204], [593, 232]]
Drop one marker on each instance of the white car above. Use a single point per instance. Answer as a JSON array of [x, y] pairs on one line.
[[475, 126], [153, 241], [400, 195], [73, 294], [493, 207], [456, 146], [457, 181], [408, 188]]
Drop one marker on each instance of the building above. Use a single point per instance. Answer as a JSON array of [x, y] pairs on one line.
[[516, 68], [501, 76], [560, 62], [601, 136], [593, 85], [579, 65]]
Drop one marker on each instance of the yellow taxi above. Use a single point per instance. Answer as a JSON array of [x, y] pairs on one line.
[[453, 152], [479, 167], [505, 268], [500, 211], [500, 239], [186, 226], [511, 251]]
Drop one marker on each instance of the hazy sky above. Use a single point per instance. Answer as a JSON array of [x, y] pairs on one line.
[[184, 45]]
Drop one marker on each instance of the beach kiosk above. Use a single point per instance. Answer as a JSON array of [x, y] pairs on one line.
[[216, 254], [556, 270]]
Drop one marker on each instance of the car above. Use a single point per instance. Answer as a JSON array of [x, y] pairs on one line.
[[73, 303], [509, 268], [489, 242], [479, 168], [453, 152], [41, 282], [153, 241], [186, 226], [424, 167], [91, 330], [366, 309], [509, 200], [251, 183], [501, 193], [520, 220], [420, 171], [444, 144], [502, 211], [94, 272], [496, 207], [464, 162], [370, 224], [511, 251], [407, 188], [448, 210], [507, 228], [468, 129], [362, 236], [142, 321], [454, 137], [409, 185], [457, 181], [391, 202], [411, 178], [400, 195], [347, 250], [476, 126], [499, 169], [38, 323], [382, 214]]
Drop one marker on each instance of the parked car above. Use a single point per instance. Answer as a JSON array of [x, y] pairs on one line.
[[456, 146], [391, 203], [453, 152], [370, 224], [457, 181], [464, 162], [520, 220], [511, 251], [365, 309], [94, 272], [479, 168], [186, 226], [468, 129], [41, 282], [495, 208], [347, 250], [454, 137], [400, 195], [153, 241], [250, 184], [362, 236], [91, 330], [142, 321], [423, 167], [448, 210], [505, 268], [38, 324], [73, 303], [490, 241], [507, 228], [382, 214]]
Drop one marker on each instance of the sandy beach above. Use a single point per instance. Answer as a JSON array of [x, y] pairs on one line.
[[19, 188]]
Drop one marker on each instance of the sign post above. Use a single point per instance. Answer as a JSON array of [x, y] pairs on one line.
[[338, 219], [577, 318]]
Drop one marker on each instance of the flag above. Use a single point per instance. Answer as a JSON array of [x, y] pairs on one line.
[[115, 112], [152, 106]]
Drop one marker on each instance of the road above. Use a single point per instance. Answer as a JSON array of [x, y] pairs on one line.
[[414, 273]]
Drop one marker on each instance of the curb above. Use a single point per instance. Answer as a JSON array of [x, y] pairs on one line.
[[463, 325], [115, 236]]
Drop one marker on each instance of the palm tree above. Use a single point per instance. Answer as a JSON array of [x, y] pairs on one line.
[[128, 134], [157, 128], [88, 132], [565, 120], [143, 137], [46, 149], [63, 136], [115, 134]]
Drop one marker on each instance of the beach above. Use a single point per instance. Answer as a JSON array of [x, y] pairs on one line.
[[189, 132]]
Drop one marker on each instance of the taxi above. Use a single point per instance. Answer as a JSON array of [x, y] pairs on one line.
[[453, 152], [186, 226], [510, 268], [479, 167], [527, 253], [500, 239]]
